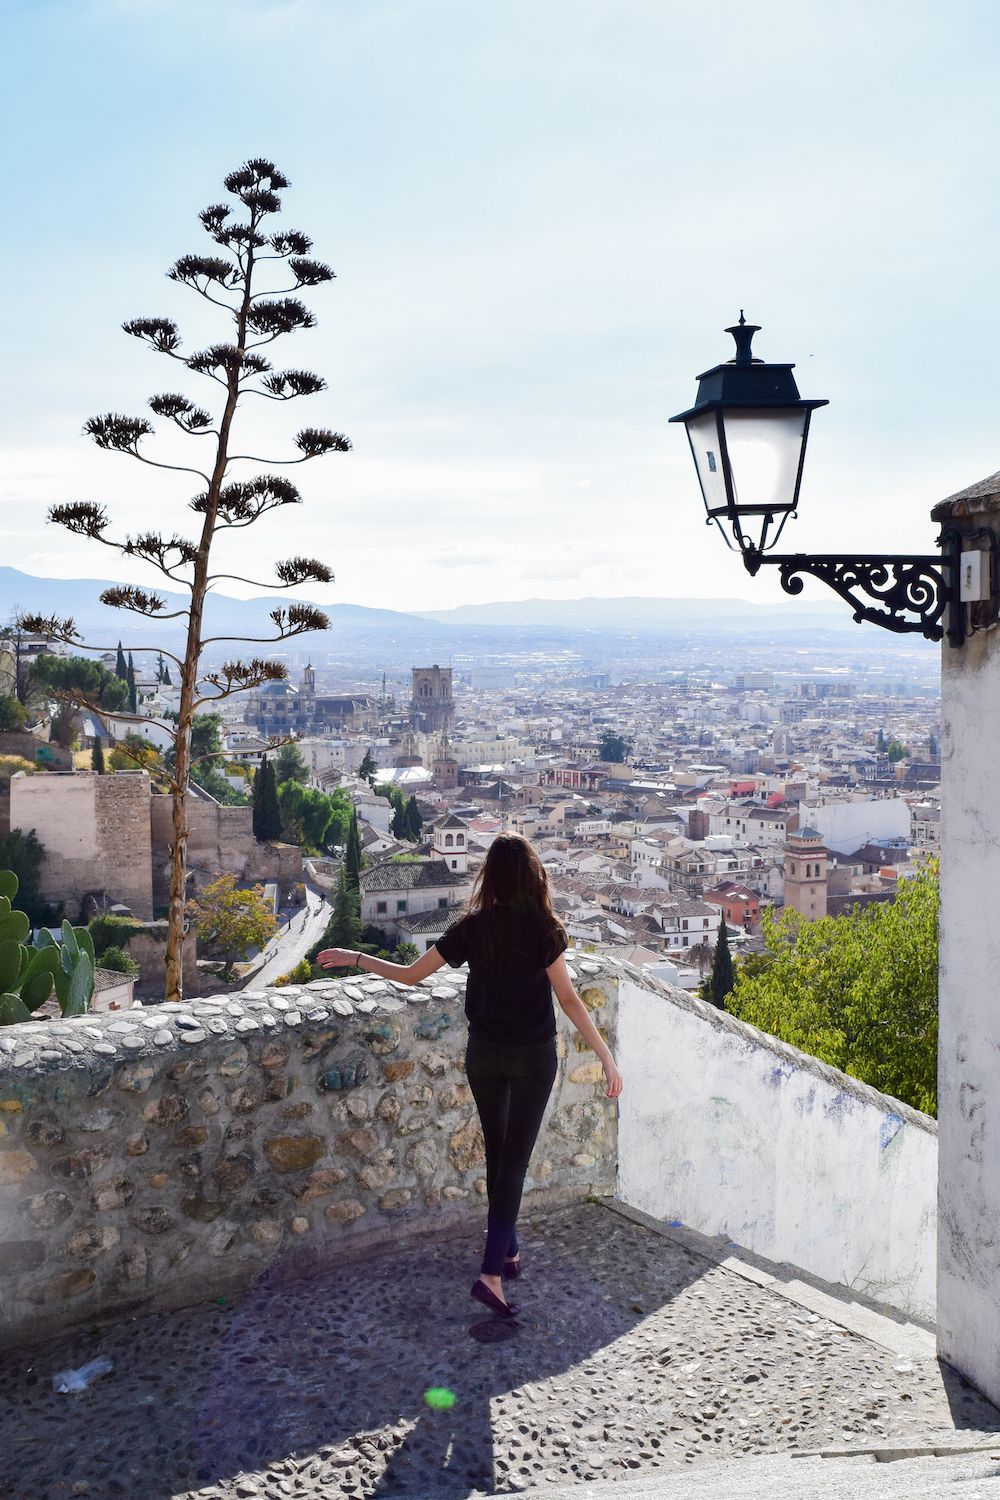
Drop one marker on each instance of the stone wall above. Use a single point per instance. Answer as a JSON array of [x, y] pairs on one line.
[[95, 832], [220, 841], [168, 1155], [148, 947]]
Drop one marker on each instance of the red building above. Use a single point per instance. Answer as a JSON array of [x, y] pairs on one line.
[[740, 906]]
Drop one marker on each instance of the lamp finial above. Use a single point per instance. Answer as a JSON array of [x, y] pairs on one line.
[[743, 333]]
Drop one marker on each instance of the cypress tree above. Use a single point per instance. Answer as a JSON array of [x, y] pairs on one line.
[[97, 756], [255, 801], [352, 859], [723, 977], [133, 702], [269, 815], [121, 670], [412, 821], [344, 927], [398, 826]]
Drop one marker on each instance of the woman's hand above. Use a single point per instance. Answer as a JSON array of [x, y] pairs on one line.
[[337, 958], [613, 1077]]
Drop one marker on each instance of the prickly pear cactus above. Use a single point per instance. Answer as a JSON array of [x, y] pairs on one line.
[[28, 975]]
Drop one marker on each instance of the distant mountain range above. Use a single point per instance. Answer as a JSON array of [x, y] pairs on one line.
[[361, 638], [639, 613]]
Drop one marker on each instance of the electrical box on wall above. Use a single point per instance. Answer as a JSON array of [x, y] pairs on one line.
[[974, 577]]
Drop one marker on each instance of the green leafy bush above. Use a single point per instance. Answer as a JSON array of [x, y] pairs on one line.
[[119, 962]]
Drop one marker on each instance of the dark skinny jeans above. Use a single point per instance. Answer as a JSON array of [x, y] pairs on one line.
[[511, 1085]]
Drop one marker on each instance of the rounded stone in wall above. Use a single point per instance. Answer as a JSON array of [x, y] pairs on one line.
[[46, 1210], [593, 997], [45, 1130], [273, 1056], [388, 1108], [318, 1184], [244, 1100], [345, 1213], [234, 1172], [171, 1109], [80, 1165], [153, 1220], [394, 1200], [454, 1096], [399, 1068], [114, 1194], [465, 1147], [382, 1036], [267, 1232], [294, 1153], [579, 1122], [378, 1173], [422, 1157]]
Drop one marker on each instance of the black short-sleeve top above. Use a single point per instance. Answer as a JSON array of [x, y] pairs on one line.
[[508, 997]]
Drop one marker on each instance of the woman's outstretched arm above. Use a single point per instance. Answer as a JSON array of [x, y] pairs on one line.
[[347, 958], [579, 1015]]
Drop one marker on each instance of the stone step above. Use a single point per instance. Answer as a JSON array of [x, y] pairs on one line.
[[954, 1476]]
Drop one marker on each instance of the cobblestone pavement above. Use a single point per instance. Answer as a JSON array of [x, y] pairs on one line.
[[633, 1354]]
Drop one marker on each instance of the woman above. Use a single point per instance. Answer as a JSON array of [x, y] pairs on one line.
[[514, 946]]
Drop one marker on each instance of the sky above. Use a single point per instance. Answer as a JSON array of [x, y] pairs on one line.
[[542, 215]]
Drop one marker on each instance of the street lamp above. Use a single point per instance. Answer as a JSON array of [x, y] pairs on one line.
[[748, 431]]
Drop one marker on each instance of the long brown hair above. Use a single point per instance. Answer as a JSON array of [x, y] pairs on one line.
[[512, 877]]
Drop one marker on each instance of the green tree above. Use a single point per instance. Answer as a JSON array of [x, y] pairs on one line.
[[859, 991], [23, 853], [897, 751], [248, 254], [880, 743], [12, 715], [268, 821], [722, 968], [290, 764], [121, 666], [412, 821], [368, 768], [232, 922], [406, 953], [352, 858], [614, 748], [97, 756], [133, 701], [932, 747], [62, 726], [79, 682], [344, 927]]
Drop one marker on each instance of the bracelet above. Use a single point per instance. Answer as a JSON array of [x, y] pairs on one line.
[[357, 962]]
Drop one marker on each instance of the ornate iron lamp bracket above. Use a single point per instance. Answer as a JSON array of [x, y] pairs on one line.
[[907, 594]]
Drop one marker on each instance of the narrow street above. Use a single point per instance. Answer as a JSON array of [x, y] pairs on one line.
[[293, 941]]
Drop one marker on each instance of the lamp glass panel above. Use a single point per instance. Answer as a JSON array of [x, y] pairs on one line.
[[703, 432], [764, 449]]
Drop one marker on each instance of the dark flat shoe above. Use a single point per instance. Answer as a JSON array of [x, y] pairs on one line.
[[512, 1267], [482, 1294]]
